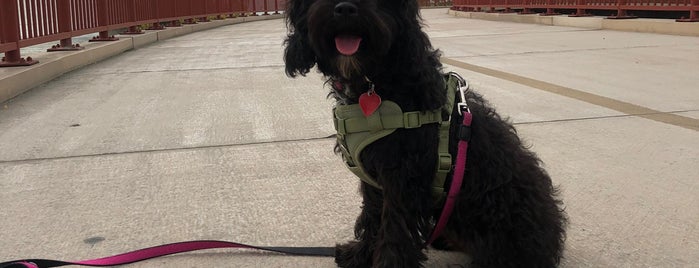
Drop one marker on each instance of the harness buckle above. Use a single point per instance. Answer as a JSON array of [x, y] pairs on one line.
[[411, 120], [444, 165]]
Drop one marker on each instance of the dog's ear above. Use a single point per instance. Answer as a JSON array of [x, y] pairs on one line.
[[298, 54]]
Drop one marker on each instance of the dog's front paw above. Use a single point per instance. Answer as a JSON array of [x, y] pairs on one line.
[[352, 255]]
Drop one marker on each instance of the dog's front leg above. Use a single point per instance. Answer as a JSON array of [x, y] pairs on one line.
[[403, 221], [359, 253]]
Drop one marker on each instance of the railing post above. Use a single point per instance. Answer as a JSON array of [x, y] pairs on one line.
[[189, 13], [550, 11], [173, 6], [620, 11], [254, 8], [693, 12], [64, 26], [205, 18], [527, 8], [580, 10], [9, 21], [243, 8], [265, 7], [508, 9], [231, 9], [276, 7], [244, 13], [103, 21], [220, 12], [131, 6], [157, 15]]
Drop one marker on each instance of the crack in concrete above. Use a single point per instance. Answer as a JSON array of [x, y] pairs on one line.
[[38, 159]]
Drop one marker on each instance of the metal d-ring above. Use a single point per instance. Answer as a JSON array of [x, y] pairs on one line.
[[463, 87]]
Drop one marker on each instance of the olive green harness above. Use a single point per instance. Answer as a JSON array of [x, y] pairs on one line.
[[356, 131]]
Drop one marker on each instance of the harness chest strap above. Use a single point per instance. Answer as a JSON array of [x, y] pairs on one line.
[[355, 132]]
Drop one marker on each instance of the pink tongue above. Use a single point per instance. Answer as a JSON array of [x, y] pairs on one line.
[[347, 44]]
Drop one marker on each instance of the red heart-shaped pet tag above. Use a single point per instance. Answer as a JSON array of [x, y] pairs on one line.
[[369, 102]]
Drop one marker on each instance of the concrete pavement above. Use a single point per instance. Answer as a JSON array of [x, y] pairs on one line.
[[203, 137]]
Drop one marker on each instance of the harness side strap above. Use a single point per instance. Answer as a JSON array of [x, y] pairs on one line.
[[164, 250]]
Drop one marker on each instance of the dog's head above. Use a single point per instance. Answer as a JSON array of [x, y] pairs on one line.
[[349, 39]]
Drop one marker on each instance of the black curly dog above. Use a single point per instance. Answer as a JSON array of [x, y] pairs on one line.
[[507, 214]]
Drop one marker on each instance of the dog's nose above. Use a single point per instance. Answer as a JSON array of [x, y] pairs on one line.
[[345, 9]]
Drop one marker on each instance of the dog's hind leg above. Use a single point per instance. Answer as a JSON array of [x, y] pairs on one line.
[[515, 242], [359, 253], [514, 224]]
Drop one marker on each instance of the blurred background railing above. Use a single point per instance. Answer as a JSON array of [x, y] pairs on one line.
[[683, 10], [25, 23]]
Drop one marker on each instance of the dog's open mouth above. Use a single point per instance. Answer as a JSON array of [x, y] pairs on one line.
[[347, 44]]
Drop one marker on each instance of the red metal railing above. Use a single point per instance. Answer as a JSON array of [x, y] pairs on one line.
[[25, 23], [620, 6]]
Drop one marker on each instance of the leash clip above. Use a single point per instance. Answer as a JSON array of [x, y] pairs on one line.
[[463, 87]]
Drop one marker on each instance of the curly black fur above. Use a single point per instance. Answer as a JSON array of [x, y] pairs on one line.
[[508, 213]]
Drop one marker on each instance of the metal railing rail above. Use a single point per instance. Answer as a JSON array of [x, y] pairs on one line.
[[25, 23], [580, 6]]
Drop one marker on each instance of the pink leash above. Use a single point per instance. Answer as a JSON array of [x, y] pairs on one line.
[[163, 250]]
